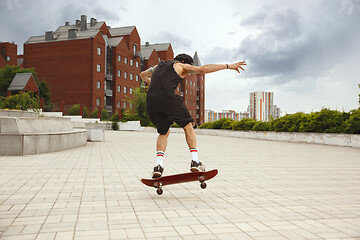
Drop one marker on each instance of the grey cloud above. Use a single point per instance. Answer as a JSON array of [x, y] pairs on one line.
[[291, 43], [31, 18], [177, 42]]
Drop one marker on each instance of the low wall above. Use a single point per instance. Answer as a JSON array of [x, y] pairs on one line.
[[17, 113], [24, 136], [345, 140]]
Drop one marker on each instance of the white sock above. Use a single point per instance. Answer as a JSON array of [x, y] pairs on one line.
[[160, 158], [194, 154]]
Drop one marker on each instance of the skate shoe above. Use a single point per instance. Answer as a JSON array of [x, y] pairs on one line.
[[197, 167], [158, 170]]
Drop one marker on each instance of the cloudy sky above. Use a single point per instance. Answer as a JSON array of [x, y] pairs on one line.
[[306, 52]]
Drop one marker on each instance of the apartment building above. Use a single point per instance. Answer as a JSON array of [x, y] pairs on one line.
[[212, 116], [87, 62], [261, 106], [8, 51]]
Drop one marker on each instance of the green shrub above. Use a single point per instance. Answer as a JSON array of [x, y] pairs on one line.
[[115, 117], [115, 125], [244, 124], [262, 126], [175, 125], [205, 125], [353, 123], [104, 114], [22, 101], [75, 110], [325, 121], [94, 114], [129, 117], [289, 122]]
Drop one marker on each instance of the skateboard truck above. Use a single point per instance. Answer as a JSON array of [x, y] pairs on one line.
[[158, 186], [202, 182]]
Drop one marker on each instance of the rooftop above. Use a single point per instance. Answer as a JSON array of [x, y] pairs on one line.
[[264, 190]]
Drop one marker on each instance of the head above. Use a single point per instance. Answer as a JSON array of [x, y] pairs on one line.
[[184, 58]]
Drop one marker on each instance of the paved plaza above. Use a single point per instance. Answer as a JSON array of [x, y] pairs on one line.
[[264, 190]]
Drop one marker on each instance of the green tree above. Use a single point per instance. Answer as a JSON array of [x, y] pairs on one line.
[[139, 108]]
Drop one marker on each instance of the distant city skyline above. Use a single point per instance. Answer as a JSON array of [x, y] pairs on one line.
[[305, 52]]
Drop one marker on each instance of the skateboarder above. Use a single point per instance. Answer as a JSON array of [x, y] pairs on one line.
[[165, 107]]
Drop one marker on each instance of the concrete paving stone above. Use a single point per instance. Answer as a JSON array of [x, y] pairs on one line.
[[266, 190], [64, 236], [20, 237]]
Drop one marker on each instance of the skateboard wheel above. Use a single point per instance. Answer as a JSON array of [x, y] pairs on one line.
[[203, 185], [159, 191]]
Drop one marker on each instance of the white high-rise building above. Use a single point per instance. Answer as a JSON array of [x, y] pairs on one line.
[[261, 106]]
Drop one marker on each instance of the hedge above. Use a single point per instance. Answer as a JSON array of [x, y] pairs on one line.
[[324, 121]]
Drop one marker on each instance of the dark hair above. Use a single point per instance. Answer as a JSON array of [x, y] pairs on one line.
[[184, 58]]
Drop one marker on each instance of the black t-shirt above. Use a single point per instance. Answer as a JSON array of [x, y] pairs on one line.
[[164, 81]]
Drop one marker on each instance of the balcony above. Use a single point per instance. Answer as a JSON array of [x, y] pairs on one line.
[[108, 92], [108, 108], [108, 77]]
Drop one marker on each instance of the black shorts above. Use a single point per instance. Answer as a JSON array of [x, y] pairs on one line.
[[164, 112]]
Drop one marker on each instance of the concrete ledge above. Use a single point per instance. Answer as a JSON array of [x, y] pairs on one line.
[[24, 136], [130, 126], [17, 113], [345, 140]]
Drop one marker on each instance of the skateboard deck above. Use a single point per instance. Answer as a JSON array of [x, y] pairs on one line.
[[158, 183]]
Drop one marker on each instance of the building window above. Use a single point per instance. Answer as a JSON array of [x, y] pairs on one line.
[[125, 75], [98, 51], [131, 91], [98, 68], [124, 105], [98, 102], [125, 60], [119, 73], [131, 76], [98, 84], [137, 64], [131, 62], [8, 58], [137, 78], [118, 104], [119, 58], [119, 88], [131, 104], [134, 49], [124, 89]]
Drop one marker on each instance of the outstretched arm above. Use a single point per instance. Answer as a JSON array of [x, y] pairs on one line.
[[146, 75], [212, 68]]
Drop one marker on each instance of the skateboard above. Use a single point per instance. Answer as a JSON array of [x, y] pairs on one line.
[[158, 183]]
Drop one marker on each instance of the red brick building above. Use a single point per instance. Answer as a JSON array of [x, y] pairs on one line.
[[87, 63], [8, 53], [99, 66]]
